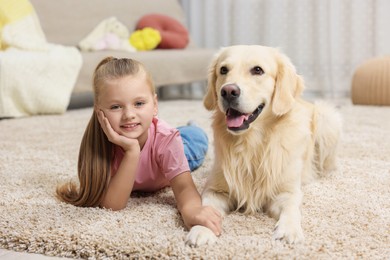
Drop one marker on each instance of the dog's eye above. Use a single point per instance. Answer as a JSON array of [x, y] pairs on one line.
[[257, 71], [224, 70]]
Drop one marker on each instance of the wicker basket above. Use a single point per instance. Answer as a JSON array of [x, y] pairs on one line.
[[371, 82]]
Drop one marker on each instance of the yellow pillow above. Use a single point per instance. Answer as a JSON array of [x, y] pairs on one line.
[[11, 11], [145, 39]]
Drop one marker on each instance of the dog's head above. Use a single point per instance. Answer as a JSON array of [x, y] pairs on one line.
[[246, 79]]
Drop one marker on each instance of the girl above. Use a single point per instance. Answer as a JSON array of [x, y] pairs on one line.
[[125, 148]]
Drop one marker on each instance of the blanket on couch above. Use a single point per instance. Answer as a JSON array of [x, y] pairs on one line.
[[36, 77]]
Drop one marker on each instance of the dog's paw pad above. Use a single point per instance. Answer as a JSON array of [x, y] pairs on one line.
[[200, 235]]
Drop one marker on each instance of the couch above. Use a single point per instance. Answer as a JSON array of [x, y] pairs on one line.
[[67, 22]]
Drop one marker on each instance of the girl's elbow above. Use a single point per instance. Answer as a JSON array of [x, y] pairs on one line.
[[113, 207], [117, 208]]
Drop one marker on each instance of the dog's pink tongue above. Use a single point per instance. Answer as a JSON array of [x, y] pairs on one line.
[[235, 121]]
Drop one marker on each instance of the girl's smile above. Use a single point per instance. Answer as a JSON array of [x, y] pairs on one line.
[[130, 127]]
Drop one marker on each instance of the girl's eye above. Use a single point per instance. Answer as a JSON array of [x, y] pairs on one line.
[[114, 107], [139, 103]]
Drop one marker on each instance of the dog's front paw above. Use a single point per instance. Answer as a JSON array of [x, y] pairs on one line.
[[200, 235], [291, 233]]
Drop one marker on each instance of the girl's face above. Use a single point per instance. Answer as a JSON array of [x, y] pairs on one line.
[[129, 105]]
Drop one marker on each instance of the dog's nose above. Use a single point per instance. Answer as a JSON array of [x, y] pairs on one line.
[[230, 92]]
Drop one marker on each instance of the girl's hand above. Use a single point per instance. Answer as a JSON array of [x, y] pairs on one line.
[[190, 206], [205, 216], [127, 144]]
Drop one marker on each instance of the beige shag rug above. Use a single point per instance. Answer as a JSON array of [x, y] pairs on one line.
[[345, 215]]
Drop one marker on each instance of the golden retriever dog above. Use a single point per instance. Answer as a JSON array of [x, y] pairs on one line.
[[268, 141]]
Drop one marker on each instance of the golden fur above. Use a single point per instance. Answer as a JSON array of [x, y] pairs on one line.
[[262, 165]]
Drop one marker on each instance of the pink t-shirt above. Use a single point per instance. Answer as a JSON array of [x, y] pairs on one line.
[[162, 158]]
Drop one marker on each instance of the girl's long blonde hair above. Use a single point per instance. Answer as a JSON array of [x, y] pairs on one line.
[[96, 152]]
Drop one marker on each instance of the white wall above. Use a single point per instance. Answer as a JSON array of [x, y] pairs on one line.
[[325, 39]]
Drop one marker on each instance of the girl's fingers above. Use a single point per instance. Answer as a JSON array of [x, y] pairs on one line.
[[217, 220], [215, 212], [102, 121], [214, 220], [101, 118], [215, 227], [105, 124], [215, 230], [218, 226]]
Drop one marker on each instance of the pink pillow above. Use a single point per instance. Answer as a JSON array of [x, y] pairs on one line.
[[173, 34]]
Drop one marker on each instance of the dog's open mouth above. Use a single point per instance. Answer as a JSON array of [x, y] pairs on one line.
[[237, 121]]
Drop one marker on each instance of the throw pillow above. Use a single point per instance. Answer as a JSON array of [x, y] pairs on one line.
[[173, 34]]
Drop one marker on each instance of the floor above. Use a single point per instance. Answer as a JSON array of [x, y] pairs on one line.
[[12, 255]]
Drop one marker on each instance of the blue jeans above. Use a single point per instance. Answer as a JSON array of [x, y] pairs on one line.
[[195, 143]]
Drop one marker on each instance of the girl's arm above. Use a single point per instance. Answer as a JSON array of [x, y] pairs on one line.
[[121, 184], [189, 204]]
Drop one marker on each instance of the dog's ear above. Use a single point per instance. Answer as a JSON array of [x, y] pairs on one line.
[[210, 99], [289, 85]]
